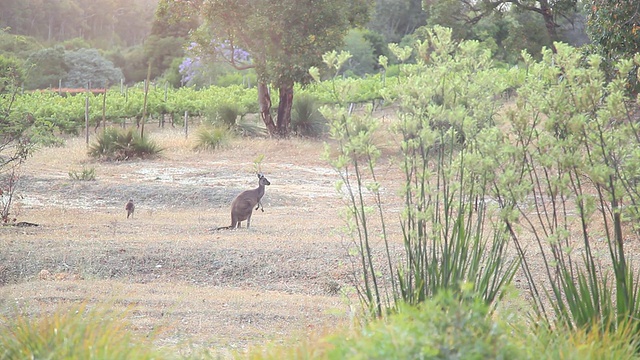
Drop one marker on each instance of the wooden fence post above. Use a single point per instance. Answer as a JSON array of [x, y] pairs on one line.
[[186, 124]]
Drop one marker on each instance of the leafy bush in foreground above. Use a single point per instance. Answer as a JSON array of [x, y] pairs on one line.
[[117, 144]]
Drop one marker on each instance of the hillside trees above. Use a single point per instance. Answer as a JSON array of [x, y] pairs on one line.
[[282, 40], [106, 23]]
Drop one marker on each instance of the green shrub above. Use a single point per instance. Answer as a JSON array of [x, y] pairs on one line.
[[306, 120], [211, 138], [74, 333], [225, 114], [443, 327], [118, 144], [581, 343], [83, 175]]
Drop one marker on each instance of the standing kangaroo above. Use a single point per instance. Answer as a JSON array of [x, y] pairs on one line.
[[130, 208], [242, 205]]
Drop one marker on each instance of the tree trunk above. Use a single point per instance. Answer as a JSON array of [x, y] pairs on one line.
[[265, 107], [547, 15], [284, 109]]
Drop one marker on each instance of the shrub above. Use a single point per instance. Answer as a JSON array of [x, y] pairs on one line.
[[83, 175], [211, 138], [306, 120], [444, 327], [118, 144], [225, 114]]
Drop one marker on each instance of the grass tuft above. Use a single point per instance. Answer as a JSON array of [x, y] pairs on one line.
[[212, 138], [83, 175], [71, 333], [118, 144], [306, 120]]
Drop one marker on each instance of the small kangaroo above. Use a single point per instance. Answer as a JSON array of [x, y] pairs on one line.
[[242, 205], [130, 208]]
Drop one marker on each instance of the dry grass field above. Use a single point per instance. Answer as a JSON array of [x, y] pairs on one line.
[[188, 285]]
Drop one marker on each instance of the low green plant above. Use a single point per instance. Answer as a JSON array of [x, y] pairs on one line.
[[613, 343], [121, 144], [446, 326], [72, 333], [86, 174], [211, 138], [225, 115]]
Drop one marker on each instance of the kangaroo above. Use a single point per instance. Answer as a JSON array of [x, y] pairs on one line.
[[242, 205], [130, 208]]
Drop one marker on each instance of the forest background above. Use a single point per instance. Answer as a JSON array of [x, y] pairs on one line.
[[117, 40]]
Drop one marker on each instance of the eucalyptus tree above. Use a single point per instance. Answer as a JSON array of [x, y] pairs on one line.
[[280, 40], [472, 11]]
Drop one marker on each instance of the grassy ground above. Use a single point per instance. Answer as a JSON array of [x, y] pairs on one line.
[[187, 284]]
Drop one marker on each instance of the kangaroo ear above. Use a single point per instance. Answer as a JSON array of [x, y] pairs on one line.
[[260, 176]]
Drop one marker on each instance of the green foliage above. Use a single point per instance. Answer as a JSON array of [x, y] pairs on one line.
[[104, 23], [614, 27], [211, 138], [443, 104], [620, 342], [74, 333], [445, 327], [362, 60], [83, 175], [573, 146], [393, 19], [120, 144], [160, 52], [306, 120], [11, 73], [76, 69], [17, 45], [46, 68], [225, 114]]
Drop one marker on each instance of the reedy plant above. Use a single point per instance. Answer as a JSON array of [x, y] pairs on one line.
[[449, 236], [444, 104], [563, 178]]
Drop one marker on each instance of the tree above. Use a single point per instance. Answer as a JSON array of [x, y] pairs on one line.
[[362, 59], [394, 19], [87, 66], [15, 137], [46, 68], [169, 32], [614, 26], [471, 11], [282, 39]]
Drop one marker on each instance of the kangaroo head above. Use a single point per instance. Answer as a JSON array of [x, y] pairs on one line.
[[263, 180]]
